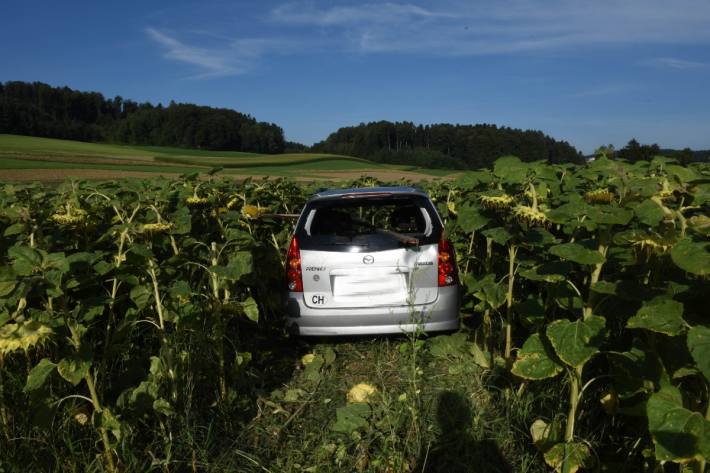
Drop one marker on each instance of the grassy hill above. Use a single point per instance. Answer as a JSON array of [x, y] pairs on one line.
[[24, 153]]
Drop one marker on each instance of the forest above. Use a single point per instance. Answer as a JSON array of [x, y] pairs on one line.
[[39, 109], [450, 146]]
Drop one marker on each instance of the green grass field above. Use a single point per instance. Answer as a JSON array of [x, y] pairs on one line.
[[19, 153]]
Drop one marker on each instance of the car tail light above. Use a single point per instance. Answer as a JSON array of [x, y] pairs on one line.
[[294, 276], [447, 263]]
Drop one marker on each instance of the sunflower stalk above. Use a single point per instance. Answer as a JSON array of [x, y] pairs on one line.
[[512, 251], [470, 251], [163, 334], [575, 377], [596, 273], [108, 453], [95, 401], [219, 325], [3, 409]]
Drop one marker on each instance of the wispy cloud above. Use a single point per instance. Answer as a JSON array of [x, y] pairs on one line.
[[447, 28], [601, 91], [674, 63], [368, 13], [228, 57], [459, 27], [212, 63]]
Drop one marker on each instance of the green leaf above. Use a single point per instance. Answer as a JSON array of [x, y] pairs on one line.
[[487, 290], [531, 312], [569, 457], [57, 261], [535, 360], [691, 256], [109, 422], [576, 342], [568, 213], [609, 215], [577, 253], [143, 396], [634, 371], [182, 221], [480, 357], [141, 250], [26, 259], [180, 289], [8, 280], [74, 369], [499, 235], [553, 271], [14, 229], [251, 309], [662, 315], [448, 346], [510, 168], [312, 370], [162, 406], [82, 257], [680, 435], [102, 267], [537, 236], [240, 264], [351, 417], [140, 295], [545, 435], [329, 356], [470, 219], [627, 290], [39, 374], [649, 213], [699, 345]]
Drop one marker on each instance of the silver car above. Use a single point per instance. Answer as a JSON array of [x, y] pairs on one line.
[[371, 261]]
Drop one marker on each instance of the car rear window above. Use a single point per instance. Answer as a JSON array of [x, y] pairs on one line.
[[368, 224]]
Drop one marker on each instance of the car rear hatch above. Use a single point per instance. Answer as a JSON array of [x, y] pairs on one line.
[[369, 251]]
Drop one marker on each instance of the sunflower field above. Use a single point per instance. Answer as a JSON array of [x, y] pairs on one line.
[[141, 320]]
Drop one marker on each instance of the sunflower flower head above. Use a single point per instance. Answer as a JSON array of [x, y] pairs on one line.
[[22, 336], [197, 202], [530, 216], [496, 202], [307, 359], [253, 211], [599, 196], [361, 393], [156, 228]]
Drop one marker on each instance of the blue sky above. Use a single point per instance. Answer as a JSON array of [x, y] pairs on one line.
[[589, 72]]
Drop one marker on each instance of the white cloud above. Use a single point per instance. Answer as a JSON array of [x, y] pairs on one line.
[[229, 57], [674, 63], [602, 90], [384, 13], [460, 27], [446, 28], [212, 62]]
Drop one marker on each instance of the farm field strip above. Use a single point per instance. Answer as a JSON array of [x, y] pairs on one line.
[[22, 152]]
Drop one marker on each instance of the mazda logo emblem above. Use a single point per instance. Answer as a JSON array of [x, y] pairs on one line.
[[368, 259]]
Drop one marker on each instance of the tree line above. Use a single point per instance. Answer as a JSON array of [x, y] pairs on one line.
[[635, 151], [447, 145], [39, 109]]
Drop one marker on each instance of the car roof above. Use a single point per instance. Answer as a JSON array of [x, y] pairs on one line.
[[355, 192]]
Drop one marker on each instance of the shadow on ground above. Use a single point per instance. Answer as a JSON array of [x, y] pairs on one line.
[[457, 450]]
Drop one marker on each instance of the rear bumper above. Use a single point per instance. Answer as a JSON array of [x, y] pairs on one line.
[[442, 314]]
